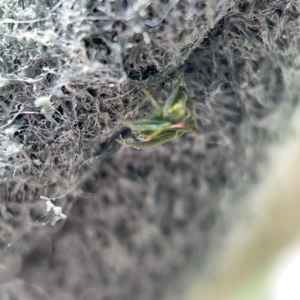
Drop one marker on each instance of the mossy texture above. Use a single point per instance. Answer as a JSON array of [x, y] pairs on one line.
[[68, 70]]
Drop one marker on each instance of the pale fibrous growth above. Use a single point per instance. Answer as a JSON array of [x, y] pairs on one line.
[[57, 210], [163, 123]]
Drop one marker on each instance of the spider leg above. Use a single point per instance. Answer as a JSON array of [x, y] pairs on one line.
[[144, 125], [145, 137], [160, 139], [153, 102], [170, 100]]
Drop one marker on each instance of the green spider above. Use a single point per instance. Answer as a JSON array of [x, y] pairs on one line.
[[163, 123]]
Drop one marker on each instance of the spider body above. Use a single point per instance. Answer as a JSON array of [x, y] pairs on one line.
[[163, 123]]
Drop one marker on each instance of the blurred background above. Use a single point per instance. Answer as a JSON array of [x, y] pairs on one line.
[[261, 260]]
